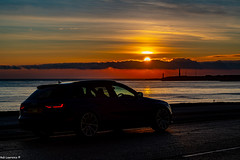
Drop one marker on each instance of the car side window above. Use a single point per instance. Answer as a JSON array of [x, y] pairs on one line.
[[77, 92], [122, 92], [88, 92], [102, 92]]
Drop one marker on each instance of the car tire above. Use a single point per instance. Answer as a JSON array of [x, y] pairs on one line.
[[161, 120], [88, 126]]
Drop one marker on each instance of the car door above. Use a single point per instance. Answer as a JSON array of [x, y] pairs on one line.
[[105, 104], [114, 111], [130, 106]]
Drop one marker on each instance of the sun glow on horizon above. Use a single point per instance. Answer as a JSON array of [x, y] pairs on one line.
[[147, 52], [147, 59]]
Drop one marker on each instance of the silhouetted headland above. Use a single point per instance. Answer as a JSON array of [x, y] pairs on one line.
[[203, 78]]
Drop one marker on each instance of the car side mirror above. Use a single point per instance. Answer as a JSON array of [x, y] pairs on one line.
[[139, 94]]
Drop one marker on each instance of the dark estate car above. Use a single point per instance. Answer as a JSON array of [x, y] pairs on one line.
[[90, 106]]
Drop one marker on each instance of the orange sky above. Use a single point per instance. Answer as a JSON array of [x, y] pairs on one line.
[[40, 32], [43, 32]]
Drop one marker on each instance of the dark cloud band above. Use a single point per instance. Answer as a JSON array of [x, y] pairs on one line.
[[154, 64]]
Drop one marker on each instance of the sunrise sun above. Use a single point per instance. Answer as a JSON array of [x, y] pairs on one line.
[[147, 59]]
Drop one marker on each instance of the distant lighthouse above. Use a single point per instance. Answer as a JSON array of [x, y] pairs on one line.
[[179, 72]]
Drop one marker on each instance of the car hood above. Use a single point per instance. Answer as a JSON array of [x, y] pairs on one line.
[[155, 101]]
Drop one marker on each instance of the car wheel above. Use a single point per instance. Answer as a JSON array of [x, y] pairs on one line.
[[162, 120], [89, 125]]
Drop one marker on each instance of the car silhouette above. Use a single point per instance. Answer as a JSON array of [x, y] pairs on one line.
[[89, 106]]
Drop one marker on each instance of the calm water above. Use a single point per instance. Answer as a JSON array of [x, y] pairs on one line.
[[12, 93]]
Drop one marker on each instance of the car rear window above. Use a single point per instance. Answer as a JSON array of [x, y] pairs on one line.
[[52, 92], [41, 94]]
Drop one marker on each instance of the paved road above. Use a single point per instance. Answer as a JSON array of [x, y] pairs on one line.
[[219, 139], [213, 133]]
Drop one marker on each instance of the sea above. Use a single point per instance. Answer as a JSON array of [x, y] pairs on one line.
[[14, 92]]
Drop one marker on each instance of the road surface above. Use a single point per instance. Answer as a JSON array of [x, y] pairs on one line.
[[216, 139], [200, 131]]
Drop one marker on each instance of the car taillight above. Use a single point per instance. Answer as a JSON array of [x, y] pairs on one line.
[[22, 107], [54, 106]]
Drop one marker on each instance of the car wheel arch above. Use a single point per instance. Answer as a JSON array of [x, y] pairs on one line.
[[155, 114]]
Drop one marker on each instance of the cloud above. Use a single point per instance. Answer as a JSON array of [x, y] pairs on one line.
[[162, 9], [66, 31], [4, 67], [154, 64], [223, 57]]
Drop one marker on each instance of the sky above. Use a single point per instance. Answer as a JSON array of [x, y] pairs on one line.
[[34, 32]]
